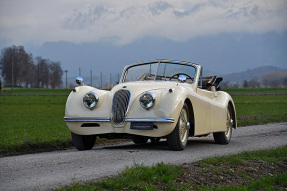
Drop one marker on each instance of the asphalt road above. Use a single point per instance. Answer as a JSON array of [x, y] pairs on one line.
[[45, 171]]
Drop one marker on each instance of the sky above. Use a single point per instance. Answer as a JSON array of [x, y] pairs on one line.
[[105, 35]]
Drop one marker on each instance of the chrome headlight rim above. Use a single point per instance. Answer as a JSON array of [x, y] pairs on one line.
[[147, 100], [90, 100]]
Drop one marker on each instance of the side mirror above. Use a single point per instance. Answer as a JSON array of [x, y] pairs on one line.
[[79, 81], [182, 78]]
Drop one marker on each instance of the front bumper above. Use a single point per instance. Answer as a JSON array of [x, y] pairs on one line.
[[105, 125], [127, 119]]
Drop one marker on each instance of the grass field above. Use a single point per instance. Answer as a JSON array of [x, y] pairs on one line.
[[35, 123], [31, 123], [257, 90]]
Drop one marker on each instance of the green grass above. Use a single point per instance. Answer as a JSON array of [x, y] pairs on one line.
[[36, 91], [256, 90], [170, 177], [266, 183], [138, 177], [32, 123], [260, 109]]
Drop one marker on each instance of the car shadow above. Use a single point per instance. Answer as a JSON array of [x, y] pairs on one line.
[[162, 145]]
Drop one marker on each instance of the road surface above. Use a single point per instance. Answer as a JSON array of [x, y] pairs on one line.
[[50, 170]]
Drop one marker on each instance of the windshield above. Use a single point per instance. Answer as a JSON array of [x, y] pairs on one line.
[[163, 71]]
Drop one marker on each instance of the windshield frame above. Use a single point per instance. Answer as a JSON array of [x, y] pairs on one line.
[[159, 62]]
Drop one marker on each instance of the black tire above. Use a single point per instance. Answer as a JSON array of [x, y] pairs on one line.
[[83, 142], [223, 138], [139, 139], [177, 139]]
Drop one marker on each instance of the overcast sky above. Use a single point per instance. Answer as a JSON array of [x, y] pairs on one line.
[[122, 22]]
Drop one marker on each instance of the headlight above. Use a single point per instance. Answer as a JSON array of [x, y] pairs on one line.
[[91, 100], [147, 100]]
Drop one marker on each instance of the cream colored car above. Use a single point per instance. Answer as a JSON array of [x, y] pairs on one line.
[[153, 100]]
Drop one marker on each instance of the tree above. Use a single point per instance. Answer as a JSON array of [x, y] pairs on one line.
[[254, 83], [285, 82], [15, 64], [245, 84], [56, 73], [43, 73], [0, 86]]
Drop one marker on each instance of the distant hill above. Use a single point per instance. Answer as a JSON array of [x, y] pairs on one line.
[[249, 74]]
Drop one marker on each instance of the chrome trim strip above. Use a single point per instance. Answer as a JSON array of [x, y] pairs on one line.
[[156, 120], [107, 119], [87, 119]]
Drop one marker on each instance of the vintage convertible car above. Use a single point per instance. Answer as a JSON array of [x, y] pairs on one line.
[[153, 100]]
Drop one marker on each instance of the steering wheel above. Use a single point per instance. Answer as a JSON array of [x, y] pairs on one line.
[[177, 74]]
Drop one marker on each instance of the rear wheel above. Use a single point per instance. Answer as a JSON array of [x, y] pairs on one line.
[[83, 142], [177, 139], [224, 137]]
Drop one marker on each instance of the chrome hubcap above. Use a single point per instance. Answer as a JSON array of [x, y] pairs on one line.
[[184, 125], [229, 123]]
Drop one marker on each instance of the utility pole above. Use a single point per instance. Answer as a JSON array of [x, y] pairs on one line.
[[111, 80], [66, 79], [12, 81], [80, 72], [101, 81], [91, 77]]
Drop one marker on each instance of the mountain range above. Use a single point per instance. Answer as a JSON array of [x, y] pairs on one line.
[[248, 75]]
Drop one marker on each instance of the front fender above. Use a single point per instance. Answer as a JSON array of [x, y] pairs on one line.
[[75, 107], [168, 104]]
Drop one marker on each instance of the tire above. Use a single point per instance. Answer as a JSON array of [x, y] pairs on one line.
[[83, 142], [139, 139], [177, 139], [223, 138]]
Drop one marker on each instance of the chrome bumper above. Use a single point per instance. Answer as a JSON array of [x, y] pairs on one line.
[[107, 119]]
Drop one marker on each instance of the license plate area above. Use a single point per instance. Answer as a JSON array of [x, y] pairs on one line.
[[142, 125]]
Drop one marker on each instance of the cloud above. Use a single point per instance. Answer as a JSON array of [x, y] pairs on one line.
[[123, 22]]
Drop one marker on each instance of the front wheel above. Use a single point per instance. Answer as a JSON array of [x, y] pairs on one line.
[[83, 142], [224, 137], [177, 139]]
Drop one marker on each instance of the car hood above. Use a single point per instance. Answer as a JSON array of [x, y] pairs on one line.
[[140, 87]]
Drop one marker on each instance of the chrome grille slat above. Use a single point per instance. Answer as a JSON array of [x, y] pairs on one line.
[[121, 101]]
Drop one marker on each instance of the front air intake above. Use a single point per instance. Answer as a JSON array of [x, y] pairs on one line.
[[120, 107]]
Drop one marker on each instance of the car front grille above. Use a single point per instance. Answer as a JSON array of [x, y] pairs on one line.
[[120, 106]]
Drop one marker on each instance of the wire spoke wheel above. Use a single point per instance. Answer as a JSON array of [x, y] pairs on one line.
[[177, 139], [224, 137], [228, 124], [183, 129]]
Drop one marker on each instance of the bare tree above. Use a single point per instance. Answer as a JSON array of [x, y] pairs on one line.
[[16, 64], [43, 72], [18, 68], [254, 83], [56, 73]]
